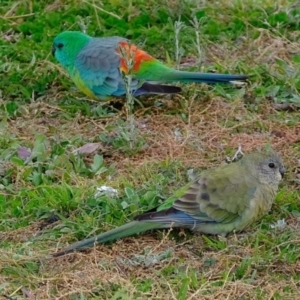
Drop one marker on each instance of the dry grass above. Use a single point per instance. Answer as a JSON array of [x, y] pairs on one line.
[[213, 126]]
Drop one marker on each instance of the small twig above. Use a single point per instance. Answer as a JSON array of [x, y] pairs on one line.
[[196, 26], [103, 10], [11, 10], [19, 16], [162, 241], [284, 106], [237, 155]]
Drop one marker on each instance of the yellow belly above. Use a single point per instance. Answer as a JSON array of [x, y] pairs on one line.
[[85, 89], [82, 86]]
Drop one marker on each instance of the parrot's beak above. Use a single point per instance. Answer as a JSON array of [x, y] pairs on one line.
[[53, 50], [282, 170]]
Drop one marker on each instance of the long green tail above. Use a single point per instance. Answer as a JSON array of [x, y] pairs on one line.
[[128, 229], [155, 71], [210, 78]]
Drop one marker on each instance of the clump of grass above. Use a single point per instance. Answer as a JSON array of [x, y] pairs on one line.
[[197, 44], [128, 55], [179, 51]]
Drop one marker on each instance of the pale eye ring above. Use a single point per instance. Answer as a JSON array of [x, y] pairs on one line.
[[272, 165]]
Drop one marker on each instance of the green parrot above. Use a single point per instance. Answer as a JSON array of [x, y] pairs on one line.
[[225, 199], [96, 66]]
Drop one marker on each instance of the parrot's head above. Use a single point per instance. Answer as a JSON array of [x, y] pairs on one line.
[[67, 45], [266, 166]]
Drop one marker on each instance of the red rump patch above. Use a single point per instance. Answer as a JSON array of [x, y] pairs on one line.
[[132, 51]]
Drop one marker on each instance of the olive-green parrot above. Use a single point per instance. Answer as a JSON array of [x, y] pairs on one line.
[[225, 199]]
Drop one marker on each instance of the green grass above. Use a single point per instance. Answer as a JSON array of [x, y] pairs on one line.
[[47, 197]]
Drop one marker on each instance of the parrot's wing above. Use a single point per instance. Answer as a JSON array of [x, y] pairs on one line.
[[219, 195], [98, 64]]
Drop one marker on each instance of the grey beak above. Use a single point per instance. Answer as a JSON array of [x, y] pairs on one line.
[[282, 170]]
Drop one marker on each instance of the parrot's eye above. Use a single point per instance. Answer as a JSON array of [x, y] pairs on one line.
[[271, 165], [60, 45]]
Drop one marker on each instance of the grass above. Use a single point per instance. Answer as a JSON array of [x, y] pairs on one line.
[[48, 189]]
